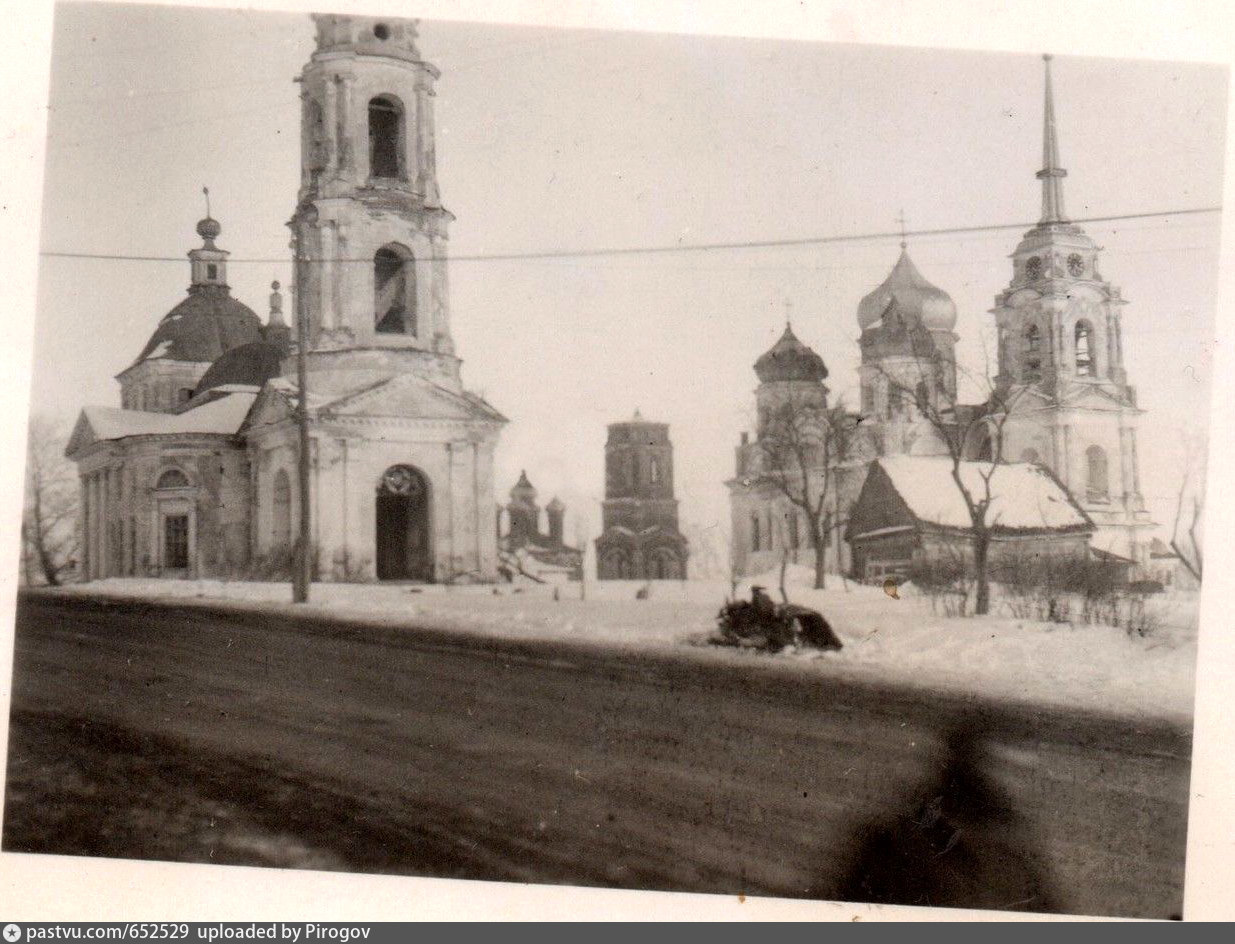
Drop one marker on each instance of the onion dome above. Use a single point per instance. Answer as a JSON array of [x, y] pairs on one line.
[[790, 359], [915, 298], [209, 229], [555, 505]]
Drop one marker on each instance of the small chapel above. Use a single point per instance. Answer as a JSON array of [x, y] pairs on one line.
[[1061, 406], [195, 474]]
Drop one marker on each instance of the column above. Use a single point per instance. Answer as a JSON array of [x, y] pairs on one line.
[[426, 150], [476, 502], [328, 265], [347, 133], [1136, 473], [439, 288], [306, 140], [1125, 463], [1061, 455], [83, 519], [418, 131], [1112, 356], [452, 500], [331, 122]]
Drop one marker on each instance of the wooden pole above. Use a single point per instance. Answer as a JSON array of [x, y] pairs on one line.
[[302, 575]]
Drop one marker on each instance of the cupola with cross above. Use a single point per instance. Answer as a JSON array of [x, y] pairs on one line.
[[908, 354]]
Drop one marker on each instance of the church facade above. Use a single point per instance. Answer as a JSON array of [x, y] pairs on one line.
[[196, 474], [1060, 398]]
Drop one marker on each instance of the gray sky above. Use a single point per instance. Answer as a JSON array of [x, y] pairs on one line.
[[553, 139]]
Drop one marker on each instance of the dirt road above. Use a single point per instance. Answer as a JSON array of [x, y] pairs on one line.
[[175, 732]]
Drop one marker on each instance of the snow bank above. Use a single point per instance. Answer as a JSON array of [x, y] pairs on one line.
[[901, 641]]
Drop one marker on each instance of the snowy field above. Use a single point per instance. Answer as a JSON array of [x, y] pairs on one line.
[[1098, 668]]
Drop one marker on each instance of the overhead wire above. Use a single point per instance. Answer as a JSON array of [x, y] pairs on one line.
[[791, 242]]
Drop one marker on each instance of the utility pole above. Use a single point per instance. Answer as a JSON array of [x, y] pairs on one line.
[[302, 574]]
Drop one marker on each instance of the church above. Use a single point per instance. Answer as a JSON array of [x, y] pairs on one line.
[[1060, 401], [195, 474]]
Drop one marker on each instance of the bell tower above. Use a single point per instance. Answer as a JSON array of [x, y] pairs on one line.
[[369, 233], [1061, 368]]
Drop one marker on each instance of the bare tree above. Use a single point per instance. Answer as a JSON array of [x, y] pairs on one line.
[[49, 521], [958, 429], [1190, 504], [801, 439]]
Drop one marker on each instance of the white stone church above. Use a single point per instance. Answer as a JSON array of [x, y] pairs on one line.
[[196, 474], [1061, 398]]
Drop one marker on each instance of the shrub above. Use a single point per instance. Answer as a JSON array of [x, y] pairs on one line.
[[945, 579]]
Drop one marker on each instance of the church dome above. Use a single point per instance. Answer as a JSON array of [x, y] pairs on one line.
[[790, 359], [203, 327], [915, 298], [249, 365], [209, 228]]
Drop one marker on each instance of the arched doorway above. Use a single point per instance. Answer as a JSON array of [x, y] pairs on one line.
[[404, 546], [665, 565], [615, 565]]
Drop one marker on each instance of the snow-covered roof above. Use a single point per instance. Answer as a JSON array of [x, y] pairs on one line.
[[222, 415], [1025, 495]]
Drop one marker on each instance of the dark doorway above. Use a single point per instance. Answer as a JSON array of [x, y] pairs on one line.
[[176, 542], [403, 526]]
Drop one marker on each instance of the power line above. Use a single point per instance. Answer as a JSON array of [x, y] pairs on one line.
[[663, 249]]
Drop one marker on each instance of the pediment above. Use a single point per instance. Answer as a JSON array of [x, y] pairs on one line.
[[1089, 396], [272, 406], [411, 396], [83, 435]]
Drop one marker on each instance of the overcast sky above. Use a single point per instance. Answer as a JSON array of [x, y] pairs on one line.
[[553, 139]]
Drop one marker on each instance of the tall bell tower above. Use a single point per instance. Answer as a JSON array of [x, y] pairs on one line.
[[369, 233], [1061, 366]]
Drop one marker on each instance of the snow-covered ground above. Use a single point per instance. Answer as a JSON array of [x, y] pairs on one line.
[[1098, 668]]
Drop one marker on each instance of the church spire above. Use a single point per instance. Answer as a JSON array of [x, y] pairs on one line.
[[1051, 173]]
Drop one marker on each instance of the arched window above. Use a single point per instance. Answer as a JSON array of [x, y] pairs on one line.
[[281, 508], [394, 291], [385, 137], [1084, 357], [868, 399], [1096, 485], [754, 531], [1033, 354], [654, 471], [1030, 455], [173, 478], [894, 402]]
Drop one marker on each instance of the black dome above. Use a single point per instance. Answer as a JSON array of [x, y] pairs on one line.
[[790, 359], [250, 365], [203, 327]]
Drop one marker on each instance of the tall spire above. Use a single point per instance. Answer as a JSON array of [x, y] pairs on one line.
[[1051, 173]]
